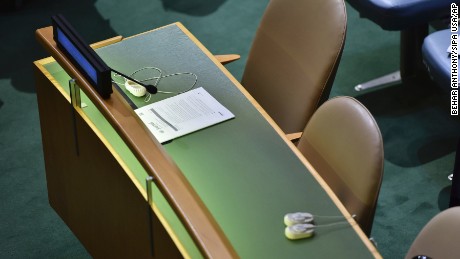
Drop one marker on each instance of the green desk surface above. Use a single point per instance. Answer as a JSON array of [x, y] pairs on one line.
[[244, 172]]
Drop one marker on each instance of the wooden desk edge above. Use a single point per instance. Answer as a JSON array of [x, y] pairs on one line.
[[198, 221]]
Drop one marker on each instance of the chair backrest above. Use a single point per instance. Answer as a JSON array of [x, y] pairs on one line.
[[343, 143], [439, 237], [294, 57]]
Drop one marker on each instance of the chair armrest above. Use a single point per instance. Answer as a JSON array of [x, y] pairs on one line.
[[225, 59]]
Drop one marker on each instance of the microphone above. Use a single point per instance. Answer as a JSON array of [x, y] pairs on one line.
[[150, 88]]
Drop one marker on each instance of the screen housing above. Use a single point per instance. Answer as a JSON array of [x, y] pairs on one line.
[[82, 56]]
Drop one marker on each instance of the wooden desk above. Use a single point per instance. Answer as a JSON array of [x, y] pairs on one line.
[[220, 192]]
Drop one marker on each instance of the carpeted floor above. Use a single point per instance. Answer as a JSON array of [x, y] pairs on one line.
[[419, 135]]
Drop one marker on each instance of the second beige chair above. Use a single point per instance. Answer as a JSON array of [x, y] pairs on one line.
[[343, 143], [439, 237], [294, 58]]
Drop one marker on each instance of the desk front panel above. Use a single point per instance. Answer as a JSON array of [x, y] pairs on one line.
[[87, 176]]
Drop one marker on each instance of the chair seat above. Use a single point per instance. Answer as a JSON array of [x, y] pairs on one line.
[[401, 14], [436, 57]]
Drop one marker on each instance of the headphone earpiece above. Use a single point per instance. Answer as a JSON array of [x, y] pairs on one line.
[[299, 231], [134, 88], [298, 218]]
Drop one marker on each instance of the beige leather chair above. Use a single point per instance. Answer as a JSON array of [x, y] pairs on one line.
[[294, 58], [440, 237], [343, 143]]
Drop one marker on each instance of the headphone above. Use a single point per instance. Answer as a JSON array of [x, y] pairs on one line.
[[139, 89], [300, 224], [149, 88]]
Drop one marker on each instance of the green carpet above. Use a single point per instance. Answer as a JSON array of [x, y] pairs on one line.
[[419, 135]]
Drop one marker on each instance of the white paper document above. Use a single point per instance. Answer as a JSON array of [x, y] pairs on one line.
[[183, 114]]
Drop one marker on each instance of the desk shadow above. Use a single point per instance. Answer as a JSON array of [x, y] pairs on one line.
[[7, 6], [444, 198], [1, 104], [193, 7], [415, 122], [19, 47]]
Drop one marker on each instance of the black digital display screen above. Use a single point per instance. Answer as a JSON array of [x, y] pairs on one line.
[[85, 59]]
